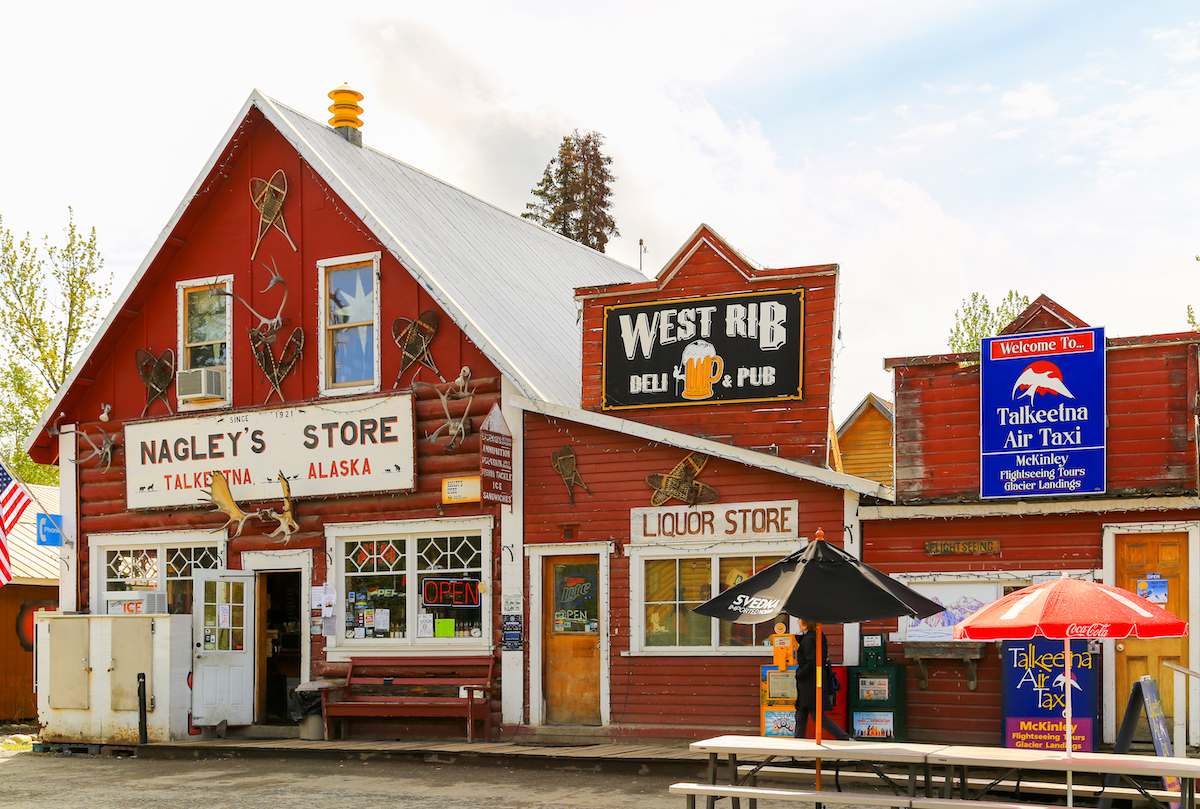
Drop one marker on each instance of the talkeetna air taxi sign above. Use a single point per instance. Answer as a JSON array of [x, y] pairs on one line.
[[1042, 409], [709, 350]]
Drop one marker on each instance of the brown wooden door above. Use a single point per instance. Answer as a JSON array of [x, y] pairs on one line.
[[1145, 557], [571, 624]]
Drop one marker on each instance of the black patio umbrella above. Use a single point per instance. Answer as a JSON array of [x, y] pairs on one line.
[[821, 584]]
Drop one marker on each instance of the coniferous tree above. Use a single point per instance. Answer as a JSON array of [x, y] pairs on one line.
[[573, 197], [595, 223]]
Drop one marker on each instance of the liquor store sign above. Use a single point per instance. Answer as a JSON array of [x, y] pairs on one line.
[[714, 350], [335, 448], [1042, 406], [762, 520]]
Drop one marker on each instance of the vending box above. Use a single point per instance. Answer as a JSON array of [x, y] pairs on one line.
[[877, 694]]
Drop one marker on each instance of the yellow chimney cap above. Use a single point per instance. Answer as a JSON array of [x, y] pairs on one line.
[[345, 107]]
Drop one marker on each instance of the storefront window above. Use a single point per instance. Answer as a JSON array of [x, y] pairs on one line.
[[672, 588], [376, 589], [131, 570], [445, 600], [734, 569]]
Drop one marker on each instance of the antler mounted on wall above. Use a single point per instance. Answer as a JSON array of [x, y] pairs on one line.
[[458, 429], [264, 335], [222, 498], [103, 453], [286, 518]]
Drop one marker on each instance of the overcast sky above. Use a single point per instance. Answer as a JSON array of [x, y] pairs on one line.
[[931, 148]]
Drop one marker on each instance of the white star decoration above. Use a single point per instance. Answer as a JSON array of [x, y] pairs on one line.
[[355, 308]]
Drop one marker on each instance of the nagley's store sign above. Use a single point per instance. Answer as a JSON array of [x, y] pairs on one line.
[[764, 520], [717, 349], [1042, 407], [327, 449]]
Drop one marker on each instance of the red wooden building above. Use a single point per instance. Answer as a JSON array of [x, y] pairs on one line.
[[940, 534], [343, 337], [716, 371]]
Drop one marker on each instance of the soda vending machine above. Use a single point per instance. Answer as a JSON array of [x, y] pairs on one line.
[[878, 704]]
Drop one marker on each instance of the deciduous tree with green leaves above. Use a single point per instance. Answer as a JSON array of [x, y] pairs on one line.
[[574, 196], [51, 297], [978, 319]]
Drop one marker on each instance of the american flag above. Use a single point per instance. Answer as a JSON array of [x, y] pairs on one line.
[[14, 499]]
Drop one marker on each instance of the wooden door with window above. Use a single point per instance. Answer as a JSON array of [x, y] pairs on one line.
[[1153, 565], [571, 625]]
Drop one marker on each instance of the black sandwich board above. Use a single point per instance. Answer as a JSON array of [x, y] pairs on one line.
[[1144, 695]]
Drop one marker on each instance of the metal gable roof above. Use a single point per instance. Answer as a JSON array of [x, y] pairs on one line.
[[33, 563], [508, 283]]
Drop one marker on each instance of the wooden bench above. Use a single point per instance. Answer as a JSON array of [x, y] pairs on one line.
[[414, 686], [754, 794]]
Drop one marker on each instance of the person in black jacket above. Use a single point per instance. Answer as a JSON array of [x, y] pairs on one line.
[[806, 683]]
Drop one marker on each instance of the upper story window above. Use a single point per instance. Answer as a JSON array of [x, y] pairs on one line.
[[349, 317], [205, 334]]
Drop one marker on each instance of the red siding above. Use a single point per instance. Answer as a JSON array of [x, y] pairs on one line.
[[215, 237], [1151, 441], [647, 689], [1037, 542], [797, 430]]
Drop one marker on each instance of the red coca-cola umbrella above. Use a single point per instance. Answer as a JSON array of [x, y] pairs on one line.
[[1068, 609]]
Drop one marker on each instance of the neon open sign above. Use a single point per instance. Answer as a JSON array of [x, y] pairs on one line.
[[450, 593]]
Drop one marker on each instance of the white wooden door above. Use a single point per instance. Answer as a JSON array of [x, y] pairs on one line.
[[223, 653]]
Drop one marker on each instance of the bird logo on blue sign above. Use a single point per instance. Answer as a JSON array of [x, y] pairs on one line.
[[1040, 377]]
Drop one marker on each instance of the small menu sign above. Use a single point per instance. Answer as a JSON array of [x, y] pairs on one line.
[[495, 459]]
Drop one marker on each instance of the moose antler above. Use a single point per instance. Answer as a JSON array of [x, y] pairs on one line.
[[222, 498], [287, 518]]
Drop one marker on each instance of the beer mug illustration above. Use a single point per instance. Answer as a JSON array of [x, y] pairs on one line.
[[701, 368]]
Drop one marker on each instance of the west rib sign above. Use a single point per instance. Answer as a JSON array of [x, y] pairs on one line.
[[1042, 411], [710, 350]]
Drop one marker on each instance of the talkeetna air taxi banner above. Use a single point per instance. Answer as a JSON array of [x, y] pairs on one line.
[[715, 349], [1042, 414]]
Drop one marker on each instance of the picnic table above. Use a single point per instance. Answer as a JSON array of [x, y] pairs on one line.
[[919, 758]]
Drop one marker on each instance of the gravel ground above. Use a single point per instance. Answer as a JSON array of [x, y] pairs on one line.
[[41, 781]]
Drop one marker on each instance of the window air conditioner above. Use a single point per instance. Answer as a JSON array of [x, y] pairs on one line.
[[153, 602], [200, 383]]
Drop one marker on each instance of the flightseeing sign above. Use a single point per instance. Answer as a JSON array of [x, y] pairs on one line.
[[1042, 406]]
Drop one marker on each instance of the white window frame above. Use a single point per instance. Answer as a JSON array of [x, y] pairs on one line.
[[323, 266], [100, 544], [340, 648], [181, 288], [640, 553]]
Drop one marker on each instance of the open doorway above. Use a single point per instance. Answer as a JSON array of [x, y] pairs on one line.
[[280, 635]]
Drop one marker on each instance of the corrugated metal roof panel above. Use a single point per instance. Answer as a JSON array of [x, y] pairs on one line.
[[506, 281], [29, 559]]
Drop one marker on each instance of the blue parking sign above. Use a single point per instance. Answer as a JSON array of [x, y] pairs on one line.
[[49, 529]]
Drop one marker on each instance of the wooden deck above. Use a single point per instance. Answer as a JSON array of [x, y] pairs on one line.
[[591, 756]]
